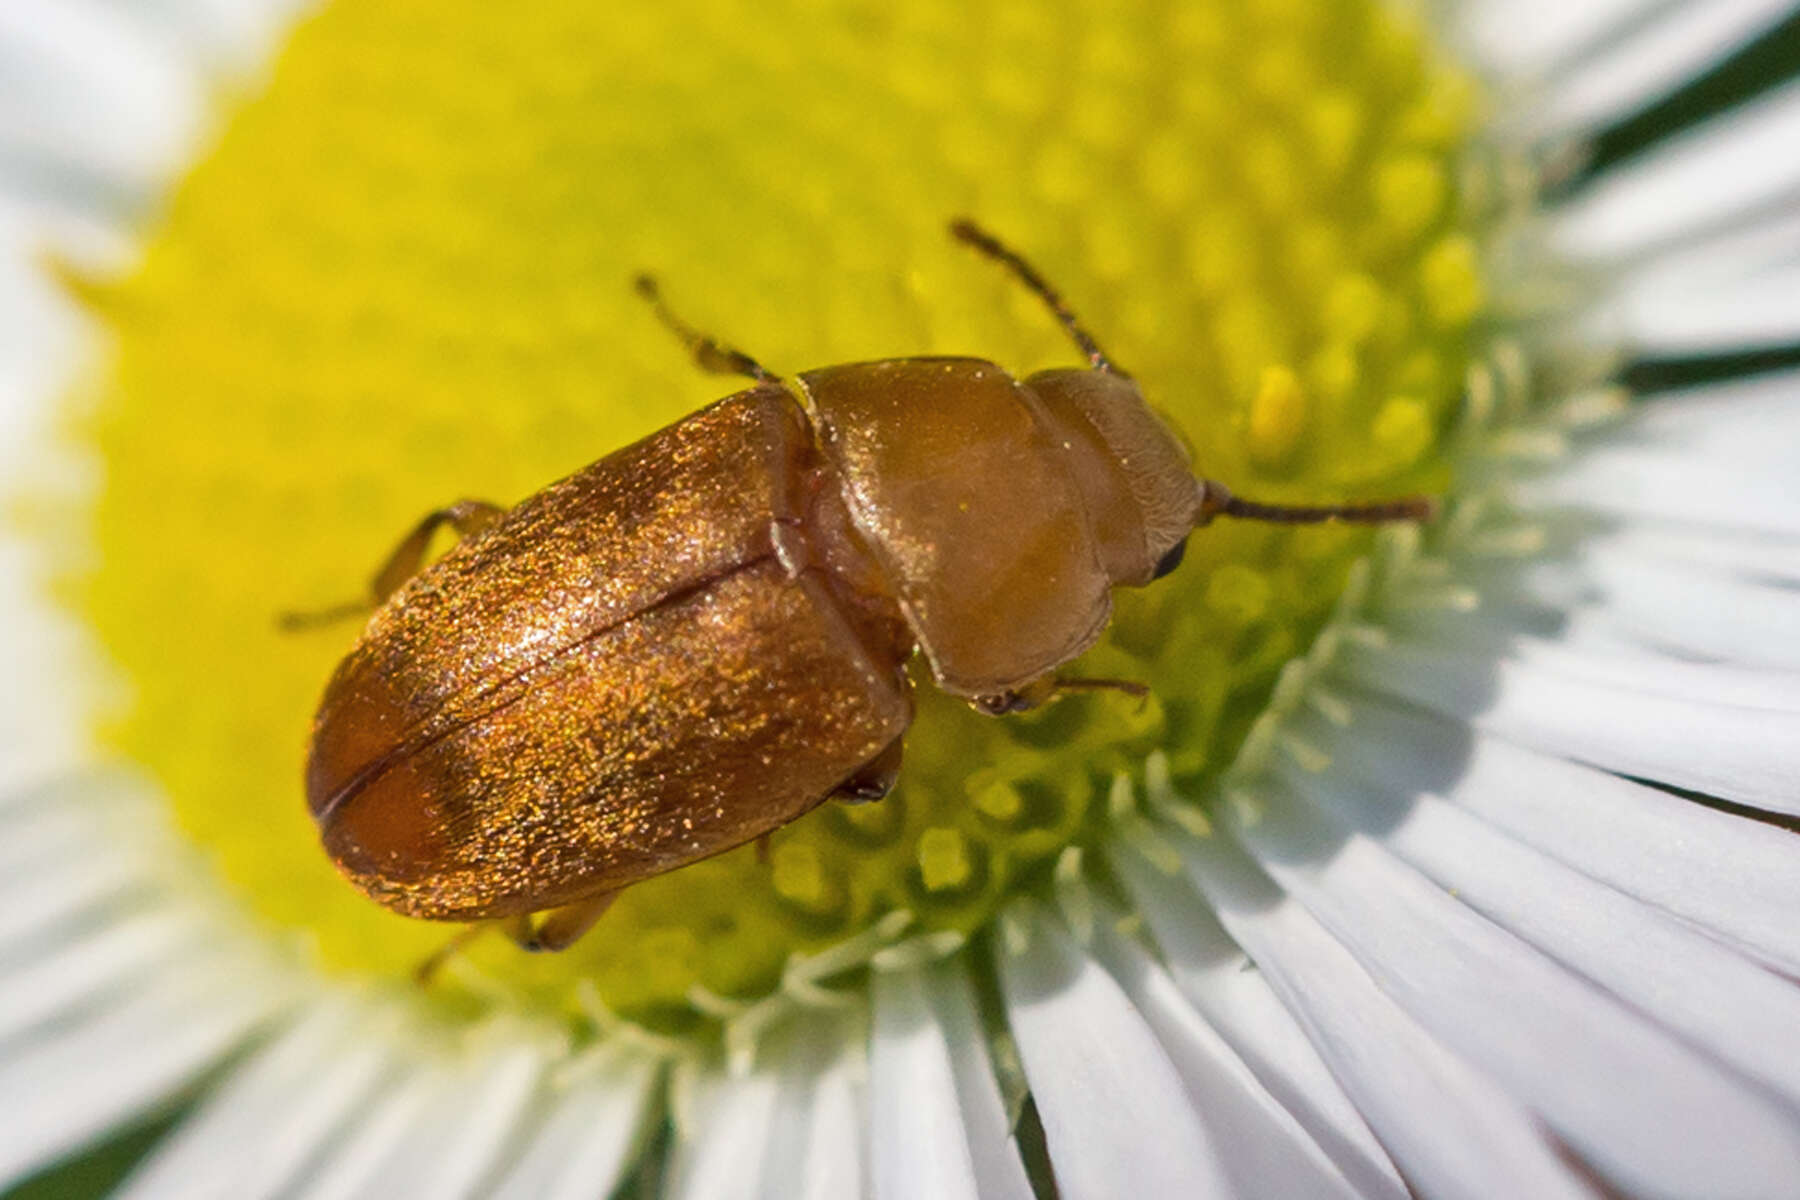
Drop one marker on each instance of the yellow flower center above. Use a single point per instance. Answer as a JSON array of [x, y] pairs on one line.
[[401, 277]]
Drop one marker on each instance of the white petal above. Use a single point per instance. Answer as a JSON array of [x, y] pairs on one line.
[[587, 1135], [1720, 1001], [1749, 755], [1671, 313], [102, 1067], [257, 1129], [1525, 37], [1746, 424], [1225, 987], [1669, 486], [352, 1161], [89, 90], [815, 1147], [937, 1128], [1738, 879], [1723, 165], [722, 1126], [474, 1111], [1262, 1146], [1112, 1104], [1743, 556], [1606, 87], [1597, 643], [1682, 1129], [1452, 1130], [96, 963]]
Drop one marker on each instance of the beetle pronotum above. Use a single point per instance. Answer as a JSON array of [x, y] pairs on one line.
[[703, 635]]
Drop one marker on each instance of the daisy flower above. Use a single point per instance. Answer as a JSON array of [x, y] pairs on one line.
[[1455, 861]]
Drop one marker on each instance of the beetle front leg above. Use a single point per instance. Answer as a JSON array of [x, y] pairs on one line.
[[874, 779], [466, 517], [1046, 688]]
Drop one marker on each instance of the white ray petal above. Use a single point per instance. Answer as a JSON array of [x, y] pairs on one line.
[[815, 1149], [1526, 37], [45, 907], [1745, 244], [986, 1125], [1750, 755], [836, 1159], [1745, 424], [66, 819], [257, 1129], [95, 964], [1682, 1129], [1739, 879], [1743, 556], [1667, 485], [1225, 987], [722, 1128], [1609, 86], [105, 1066], [87, 88], [1718, 167], [352, 1161], [42, 734], [1699, 612], [235, 34], [1112, 1104], [937, 1127], [1737, 1011], [590, 1131], [1597, 642], [1452, 1130], [1263, 1148], [1687, 313], [453, 1145]]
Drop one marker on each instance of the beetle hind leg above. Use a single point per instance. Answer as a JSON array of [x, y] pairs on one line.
[[465, 517], [560, 928]]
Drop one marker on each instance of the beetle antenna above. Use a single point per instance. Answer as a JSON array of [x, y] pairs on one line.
[[1216, 500], [710, 353], [965, 230]]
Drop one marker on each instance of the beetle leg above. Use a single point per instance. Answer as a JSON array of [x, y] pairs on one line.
[[1130, 687], [1026, 695], [1046, 688], [710, 353], [465, 517], [562, 927], [434, 962], [873, 780]]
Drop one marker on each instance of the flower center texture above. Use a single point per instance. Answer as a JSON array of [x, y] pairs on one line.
[[400, 276]]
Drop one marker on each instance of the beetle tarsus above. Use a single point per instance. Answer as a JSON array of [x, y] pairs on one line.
[[427, 970]]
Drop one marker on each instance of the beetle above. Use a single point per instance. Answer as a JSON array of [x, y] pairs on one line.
[[704, 635]]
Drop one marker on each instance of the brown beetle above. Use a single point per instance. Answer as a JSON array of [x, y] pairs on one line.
[[703, 636]]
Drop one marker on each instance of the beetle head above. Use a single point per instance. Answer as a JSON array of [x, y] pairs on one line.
[[1134, 474]]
